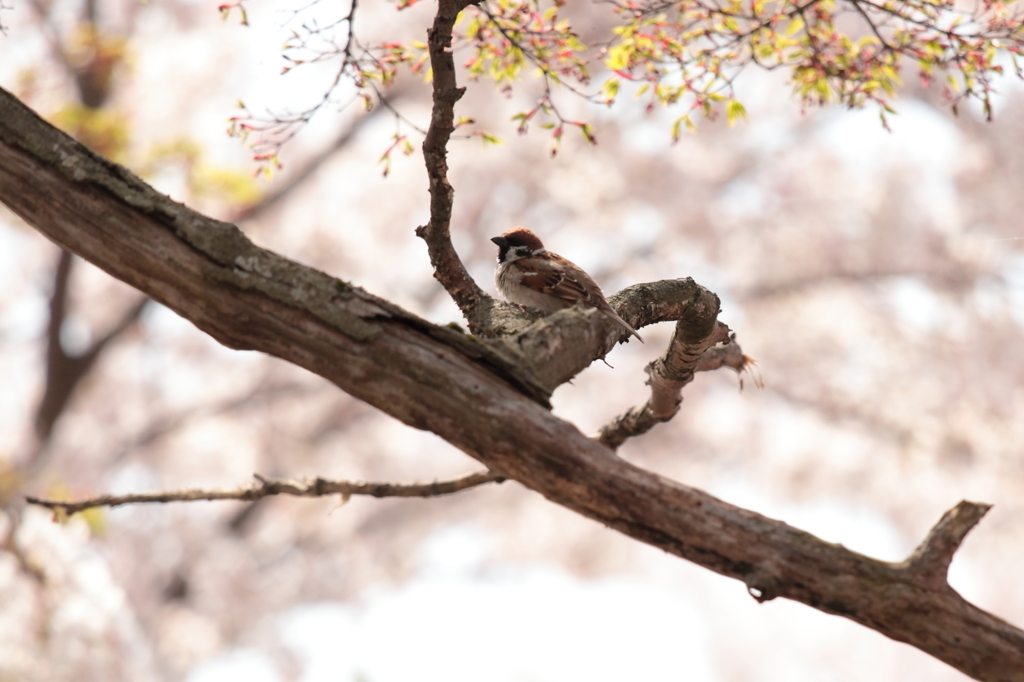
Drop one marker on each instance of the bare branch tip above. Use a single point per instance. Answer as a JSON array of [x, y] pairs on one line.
[[930, 561], [958, 521]]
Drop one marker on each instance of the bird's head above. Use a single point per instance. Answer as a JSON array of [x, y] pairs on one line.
[[517, 243]]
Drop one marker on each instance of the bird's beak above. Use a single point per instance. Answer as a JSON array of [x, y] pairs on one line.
[[500, 241]]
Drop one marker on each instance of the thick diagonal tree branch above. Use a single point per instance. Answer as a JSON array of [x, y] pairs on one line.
[[266, 487], [439, 380], [64, 372]]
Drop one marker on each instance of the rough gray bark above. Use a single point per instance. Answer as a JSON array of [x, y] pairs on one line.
[[437, 379]]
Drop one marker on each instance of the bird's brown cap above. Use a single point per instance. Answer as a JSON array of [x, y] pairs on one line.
[[519, 236]]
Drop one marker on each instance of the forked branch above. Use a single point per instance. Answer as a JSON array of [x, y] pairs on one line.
[[667, 377], [64, 371]]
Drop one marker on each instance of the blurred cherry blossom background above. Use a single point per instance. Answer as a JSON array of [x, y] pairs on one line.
[[877, 277]]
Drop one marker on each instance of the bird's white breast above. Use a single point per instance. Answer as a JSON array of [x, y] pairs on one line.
[[508, 280]]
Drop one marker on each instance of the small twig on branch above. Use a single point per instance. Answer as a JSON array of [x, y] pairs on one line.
[[319, 487], [932, 557], [311, 167], [729, 355]]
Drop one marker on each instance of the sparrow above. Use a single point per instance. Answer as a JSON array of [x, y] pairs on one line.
[[530, 275]]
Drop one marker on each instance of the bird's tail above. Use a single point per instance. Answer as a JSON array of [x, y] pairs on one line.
[[622, 323]]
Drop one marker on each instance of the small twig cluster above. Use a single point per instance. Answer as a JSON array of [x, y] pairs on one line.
[[372, 69], [672, 52]]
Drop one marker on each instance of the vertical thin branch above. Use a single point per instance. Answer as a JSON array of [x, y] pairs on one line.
[[448, 268], [58, 364]]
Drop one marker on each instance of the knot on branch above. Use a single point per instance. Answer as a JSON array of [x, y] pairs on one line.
[[453, 95], [762, 583], [929, 564]]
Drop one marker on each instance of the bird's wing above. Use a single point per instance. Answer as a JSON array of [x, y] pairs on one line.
[[543, 276], [556, 277]]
